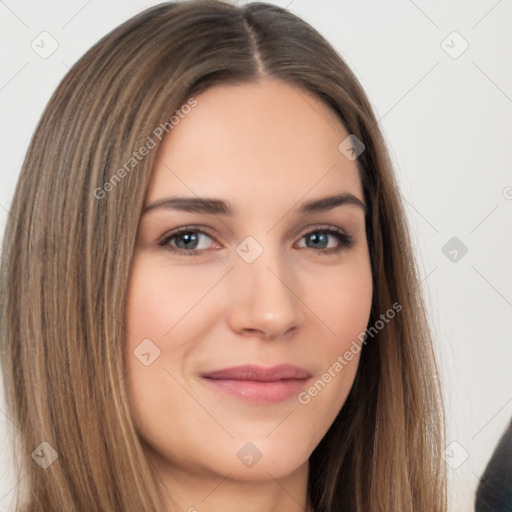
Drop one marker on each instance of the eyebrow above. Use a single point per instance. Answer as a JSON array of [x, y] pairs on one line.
[[219, 207]]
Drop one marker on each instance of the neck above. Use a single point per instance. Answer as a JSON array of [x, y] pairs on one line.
[[201, 490]]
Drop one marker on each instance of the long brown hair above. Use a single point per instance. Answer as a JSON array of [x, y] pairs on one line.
[[67, 256]]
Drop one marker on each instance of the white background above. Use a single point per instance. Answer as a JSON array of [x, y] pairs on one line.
[[448, 122]]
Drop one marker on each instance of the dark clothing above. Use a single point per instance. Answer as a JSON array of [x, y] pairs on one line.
[[494, 493]]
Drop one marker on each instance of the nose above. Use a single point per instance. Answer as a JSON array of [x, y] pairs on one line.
[[266, 299]]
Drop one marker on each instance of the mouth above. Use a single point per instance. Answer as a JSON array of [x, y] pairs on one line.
[[259, 385]]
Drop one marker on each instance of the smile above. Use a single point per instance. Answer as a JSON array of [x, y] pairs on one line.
[[259, 385]]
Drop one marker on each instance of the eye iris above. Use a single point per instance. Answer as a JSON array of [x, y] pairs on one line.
[[319, 237], [190, 237]]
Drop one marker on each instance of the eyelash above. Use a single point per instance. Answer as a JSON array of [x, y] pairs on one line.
[[345, 241]]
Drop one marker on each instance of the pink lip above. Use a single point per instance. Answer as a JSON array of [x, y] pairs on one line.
[[257, 384]]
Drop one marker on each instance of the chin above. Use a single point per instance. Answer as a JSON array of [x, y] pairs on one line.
[[262, 459], [267, 468]]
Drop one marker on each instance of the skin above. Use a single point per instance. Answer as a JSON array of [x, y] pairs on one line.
[[265, 147]]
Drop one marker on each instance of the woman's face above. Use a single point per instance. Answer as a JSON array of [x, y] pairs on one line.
[[214, 312]]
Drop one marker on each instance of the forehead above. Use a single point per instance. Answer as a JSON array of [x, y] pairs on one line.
[[269, 140]]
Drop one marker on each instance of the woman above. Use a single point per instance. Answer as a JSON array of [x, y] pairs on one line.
[[176, 336]]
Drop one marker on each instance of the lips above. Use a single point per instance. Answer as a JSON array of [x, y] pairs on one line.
[[256, 384], [260, 374]]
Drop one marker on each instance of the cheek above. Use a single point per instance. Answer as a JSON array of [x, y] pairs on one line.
[[343, 304], [168, 313], [163, 301], [153, 308], [342, 300]]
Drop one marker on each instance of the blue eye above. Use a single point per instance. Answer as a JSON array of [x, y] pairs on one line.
[[185, 241], [320, 237]]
